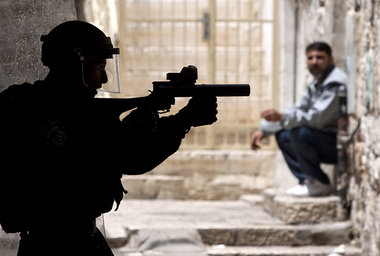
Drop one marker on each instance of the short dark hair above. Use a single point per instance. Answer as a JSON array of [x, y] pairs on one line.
[[319, 46]]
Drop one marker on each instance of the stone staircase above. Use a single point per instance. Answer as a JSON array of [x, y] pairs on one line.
[[225, 228], [169, 213], [205, 175]]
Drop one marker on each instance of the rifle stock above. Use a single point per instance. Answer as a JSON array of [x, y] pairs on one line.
[[116, 106]]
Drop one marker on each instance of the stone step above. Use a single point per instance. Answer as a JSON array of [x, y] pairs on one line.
[[154, 187], [216, 187], [206, 175], [297, 210], [221, 250], [285, 235], [220, 222], [191, 249], [210, 162], [322, 234]]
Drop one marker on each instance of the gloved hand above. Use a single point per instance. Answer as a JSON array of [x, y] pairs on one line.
[[200, 110], [141, 120]]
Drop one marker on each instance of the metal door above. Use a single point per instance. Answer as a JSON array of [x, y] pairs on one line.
[[229, 42]]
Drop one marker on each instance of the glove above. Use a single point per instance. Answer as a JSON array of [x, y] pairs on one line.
[[141, 120], [199, 111]]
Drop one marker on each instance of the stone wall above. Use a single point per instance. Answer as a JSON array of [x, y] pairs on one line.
[[22, 23], [353, 29], [364, 183]]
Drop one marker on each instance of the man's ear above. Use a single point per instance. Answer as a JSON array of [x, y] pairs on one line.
[[79, 52], [331, 60]]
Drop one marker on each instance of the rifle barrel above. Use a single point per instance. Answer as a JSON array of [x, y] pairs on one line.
[[164, 91], [222, 90]]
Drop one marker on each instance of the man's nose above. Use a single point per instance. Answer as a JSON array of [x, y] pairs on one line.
[[313, 60]]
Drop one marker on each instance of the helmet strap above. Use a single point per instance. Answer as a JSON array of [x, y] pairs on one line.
[[82, 74]]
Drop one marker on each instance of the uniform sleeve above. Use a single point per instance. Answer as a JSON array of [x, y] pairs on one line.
[[146, 151]]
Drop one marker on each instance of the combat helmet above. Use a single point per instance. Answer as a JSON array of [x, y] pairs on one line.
[[73, 42]]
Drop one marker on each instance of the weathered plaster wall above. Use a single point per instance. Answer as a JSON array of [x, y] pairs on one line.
[[22, 23]]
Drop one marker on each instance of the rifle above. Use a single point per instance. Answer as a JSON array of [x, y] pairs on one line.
[[164, 92]]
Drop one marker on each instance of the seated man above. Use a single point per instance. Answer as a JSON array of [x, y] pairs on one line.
[[307, 132]]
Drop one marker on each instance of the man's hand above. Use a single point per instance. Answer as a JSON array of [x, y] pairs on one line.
[[256, 139], [271, 115], [201, 110]]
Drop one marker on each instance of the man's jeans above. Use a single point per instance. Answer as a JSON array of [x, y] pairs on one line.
[[305, 148]]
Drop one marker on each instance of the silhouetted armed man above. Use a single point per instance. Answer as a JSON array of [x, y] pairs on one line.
[[66, 156]]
